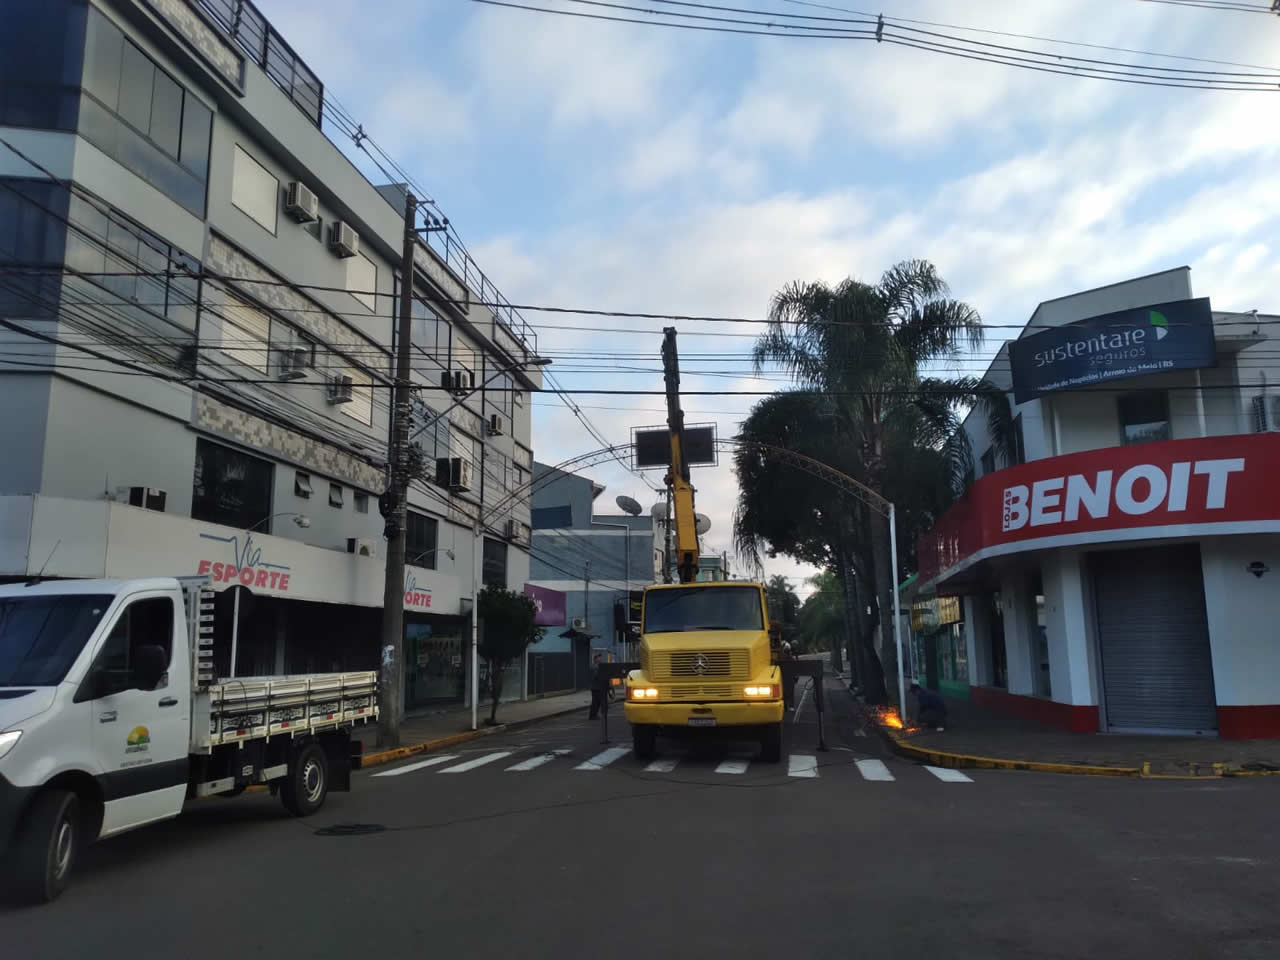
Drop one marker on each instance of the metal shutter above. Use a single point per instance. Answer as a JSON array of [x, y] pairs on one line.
[[1156, 667]]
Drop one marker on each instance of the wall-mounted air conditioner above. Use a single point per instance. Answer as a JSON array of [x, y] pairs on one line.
[[497, 425], [149, 498], [458, 382], [580, 624], [511, 530], [362, 547], [340, 389], [343, 241], [301, 204], [454, 473], [293, 363]]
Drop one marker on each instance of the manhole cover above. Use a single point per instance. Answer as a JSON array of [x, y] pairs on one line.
[[350, 830]]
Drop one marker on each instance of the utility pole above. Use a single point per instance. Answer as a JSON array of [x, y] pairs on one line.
[[392, 505]]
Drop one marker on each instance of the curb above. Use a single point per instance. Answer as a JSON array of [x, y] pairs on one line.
[[441, 743]]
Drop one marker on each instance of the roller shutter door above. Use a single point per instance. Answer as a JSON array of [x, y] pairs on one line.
[[1156, 668]]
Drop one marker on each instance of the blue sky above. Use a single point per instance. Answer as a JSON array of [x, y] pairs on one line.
[[635, 168]]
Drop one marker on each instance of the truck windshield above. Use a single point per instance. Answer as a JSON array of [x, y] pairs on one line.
[[40, 637], [703, 608]]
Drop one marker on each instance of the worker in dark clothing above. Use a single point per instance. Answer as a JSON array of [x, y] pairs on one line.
[[597, 687], [931, 709]]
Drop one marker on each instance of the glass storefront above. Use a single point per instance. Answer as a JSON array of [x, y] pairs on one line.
[[435, 671]]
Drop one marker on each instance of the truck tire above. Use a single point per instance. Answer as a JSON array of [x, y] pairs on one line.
[[644, 740], [45, 847], [307, 783], [771, 743]]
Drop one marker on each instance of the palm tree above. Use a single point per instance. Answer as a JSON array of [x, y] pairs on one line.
[[865, 350]]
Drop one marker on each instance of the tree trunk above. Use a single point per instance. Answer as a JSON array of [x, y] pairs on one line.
[[871, 670], [495, 689]]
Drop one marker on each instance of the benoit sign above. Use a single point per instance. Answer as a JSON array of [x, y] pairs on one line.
[[1163, 336]]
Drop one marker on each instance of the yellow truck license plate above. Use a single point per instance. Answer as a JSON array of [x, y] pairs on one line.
[[702, 721]]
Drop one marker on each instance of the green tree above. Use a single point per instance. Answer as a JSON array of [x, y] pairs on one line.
[[820, 622], [862, 353], [784, 605], [507, 630]]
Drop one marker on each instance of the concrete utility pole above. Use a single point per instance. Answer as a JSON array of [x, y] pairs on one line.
[[393, 505]]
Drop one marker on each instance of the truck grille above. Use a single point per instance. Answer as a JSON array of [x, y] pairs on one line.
[[697, 664], [691, 691]]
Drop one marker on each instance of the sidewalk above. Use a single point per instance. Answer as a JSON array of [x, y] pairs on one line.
[[977, 733], [424, 731]]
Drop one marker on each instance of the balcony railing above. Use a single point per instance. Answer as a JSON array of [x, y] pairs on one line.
[[246, 25]]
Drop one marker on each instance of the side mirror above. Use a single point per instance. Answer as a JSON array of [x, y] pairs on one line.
[[149, 665]]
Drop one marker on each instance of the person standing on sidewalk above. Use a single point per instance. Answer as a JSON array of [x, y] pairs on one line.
[[597, 687]]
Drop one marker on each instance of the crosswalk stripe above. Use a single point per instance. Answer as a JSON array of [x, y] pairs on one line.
[[802, 765], [434, 761], [873, 770], [949, 775], [665, 765], [603, 759], [733, 766], [534, 762], [477, 762]]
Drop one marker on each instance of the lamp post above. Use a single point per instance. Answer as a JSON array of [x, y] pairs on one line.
[[301, 520]]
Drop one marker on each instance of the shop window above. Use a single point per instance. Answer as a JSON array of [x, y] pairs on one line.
[[1144, 416], [302, 485], [494, 569], [231, 488], [335, 495], [420, 540]]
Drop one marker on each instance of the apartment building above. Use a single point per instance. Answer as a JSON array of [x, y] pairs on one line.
[[198, 290]]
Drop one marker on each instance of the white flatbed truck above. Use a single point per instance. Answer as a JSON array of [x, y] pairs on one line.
[[111, 718]]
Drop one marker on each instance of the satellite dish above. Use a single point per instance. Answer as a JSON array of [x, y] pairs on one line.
[[701, 523], [658, 511], [628, 505]]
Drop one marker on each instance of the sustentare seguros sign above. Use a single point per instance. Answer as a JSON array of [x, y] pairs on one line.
[[1177, 335]]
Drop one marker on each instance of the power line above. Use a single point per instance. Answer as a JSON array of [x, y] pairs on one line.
[[1229, 5]]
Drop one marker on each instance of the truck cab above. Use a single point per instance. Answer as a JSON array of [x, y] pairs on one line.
[[705, 662]]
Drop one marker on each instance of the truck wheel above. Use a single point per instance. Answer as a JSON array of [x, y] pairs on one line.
[[644, 740], [46, 846], [307, 783], [771, 743]]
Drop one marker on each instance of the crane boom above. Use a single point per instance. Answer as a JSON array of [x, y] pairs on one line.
[[678, 475]]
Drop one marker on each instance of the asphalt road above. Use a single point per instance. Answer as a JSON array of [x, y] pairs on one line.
[[721, 855]]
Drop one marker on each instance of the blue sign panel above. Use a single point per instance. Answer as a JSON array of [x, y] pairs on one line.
[[1128, 343]]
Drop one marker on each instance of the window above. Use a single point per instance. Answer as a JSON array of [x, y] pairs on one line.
[[1019, 445], [362, 280], [231, 488], [40, 637], [494, 569], [40, 59], [302, 485], [521, 477], [335, 494], [1144, 417], [420, 540], [361, 405], [254, 190], [517, 397], [143, 623], [29, 234], [989, 461], [698, 608], [464, 358], [246, 330], [361, 502], [141, 117]]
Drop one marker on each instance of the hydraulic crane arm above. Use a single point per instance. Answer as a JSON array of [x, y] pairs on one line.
[[678, 476]]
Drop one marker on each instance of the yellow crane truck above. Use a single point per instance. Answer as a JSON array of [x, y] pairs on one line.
[[705, 656]]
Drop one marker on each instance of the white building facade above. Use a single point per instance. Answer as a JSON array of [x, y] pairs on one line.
[[1119, 569]]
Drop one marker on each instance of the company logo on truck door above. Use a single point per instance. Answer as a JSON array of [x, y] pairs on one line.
[[243, 564], [1141, 489], [138, 741]]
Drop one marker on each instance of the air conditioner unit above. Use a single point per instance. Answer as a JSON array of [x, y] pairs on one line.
[[343, 241], [340, 389], [458, 382], [149, 498], [293, 363], [362, 547], [454, 473], [497, 425], [511, 530], [580, 624], [301, 204]]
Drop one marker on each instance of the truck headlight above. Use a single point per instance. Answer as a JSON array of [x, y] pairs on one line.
[[7, 740], [643, 693], [763, 690]]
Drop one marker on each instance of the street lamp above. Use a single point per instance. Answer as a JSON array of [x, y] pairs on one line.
[[303, 521]]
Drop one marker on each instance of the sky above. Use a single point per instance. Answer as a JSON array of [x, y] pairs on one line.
[[635, 168]]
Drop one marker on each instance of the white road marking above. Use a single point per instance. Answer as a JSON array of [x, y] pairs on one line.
[[603, 759], [733, 766], [662, 766], [873, 770], [802, 765], [534, 762], [949, 775], [417, 766], [477, 762]]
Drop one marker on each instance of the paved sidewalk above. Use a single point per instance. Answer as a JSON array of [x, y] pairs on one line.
[[422, 731], [980, 732]]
